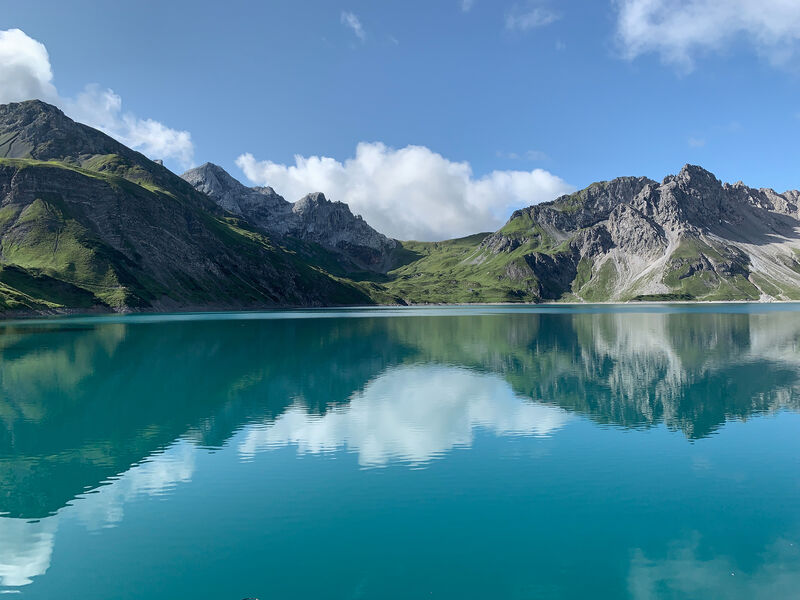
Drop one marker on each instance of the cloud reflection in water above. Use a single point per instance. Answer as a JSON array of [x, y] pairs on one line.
[[411, 414]]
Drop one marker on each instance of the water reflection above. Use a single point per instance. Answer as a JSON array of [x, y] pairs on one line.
[[688, 570], [123, 409], [80, 405], [411, 414], [26, 546], [25, 550]]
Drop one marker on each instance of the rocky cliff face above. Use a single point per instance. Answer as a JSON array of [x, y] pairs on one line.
[[688, 237], [313, 219]]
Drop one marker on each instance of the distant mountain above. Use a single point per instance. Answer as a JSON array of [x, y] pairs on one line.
[[87, 223], [688, 238], [313, 218]]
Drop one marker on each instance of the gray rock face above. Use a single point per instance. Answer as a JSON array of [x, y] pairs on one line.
[[313, 219], [690, 236]]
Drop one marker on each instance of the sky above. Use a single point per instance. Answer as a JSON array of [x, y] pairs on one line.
[[432, 118]]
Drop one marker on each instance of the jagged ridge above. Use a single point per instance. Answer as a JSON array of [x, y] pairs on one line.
[[688, 238], [313, 218]]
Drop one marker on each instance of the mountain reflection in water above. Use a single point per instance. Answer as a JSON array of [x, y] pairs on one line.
[[121, 408]]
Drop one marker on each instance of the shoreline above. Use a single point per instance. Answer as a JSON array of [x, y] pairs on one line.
[[70, 313]]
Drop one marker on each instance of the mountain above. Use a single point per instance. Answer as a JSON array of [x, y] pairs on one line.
[[87, 223], [690, 237], [313, 219]]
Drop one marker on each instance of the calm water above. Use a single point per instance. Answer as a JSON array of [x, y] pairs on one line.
[[426, 453]]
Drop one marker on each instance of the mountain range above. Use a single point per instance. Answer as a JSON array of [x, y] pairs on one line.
[[87, 224]]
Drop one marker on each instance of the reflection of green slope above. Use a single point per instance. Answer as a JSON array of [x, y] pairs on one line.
[[80, 403], [78, 407]]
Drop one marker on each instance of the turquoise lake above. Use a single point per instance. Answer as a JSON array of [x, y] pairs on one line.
[[469, 452]]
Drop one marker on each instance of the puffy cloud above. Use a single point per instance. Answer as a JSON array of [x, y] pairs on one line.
[[353, 22], [679, 29], [410, 193], [530, 16], [411, 414], [25, 71], [26, 74], [102, 108]]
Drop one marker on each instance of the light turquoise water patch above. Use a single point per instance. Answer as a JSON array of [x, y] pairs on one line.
[[469, 452]]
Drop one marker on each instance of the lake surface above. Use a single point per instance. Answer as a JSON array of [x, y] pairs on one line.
[[491, 452]]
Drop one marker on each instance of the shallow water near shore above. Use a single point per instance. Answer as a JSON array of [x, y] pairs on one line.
[[466, 452]]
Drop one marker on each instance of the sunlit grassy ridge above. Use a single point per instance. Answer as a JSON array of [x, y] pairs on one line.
[[53, 254], [460, 271]]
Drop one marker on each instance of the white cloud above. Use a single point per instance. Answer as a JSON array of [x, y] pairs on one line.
[[410, 193], [412, 414], [466, 5], [531, 155], [678, 30], [25, 71], [102, 108], [26, 74], [695, 142], [530, 16], [353, 22]]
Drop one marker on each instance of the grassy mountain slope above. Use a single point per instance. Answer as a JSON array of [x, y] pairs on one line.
[[88, 223], [688, 238]]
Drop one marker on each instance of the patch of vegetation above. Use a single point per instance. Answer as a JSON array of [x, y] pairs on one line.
[[570, 204], [458, 271], [663, 298], [584, 274], [601, 287], [45, 290], [519, 224]]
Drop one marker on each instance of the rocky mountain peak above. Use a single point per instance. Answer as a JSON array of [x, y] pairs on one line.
[[311, 202], [695, 175], [212, 179], [35, 129], [313, 218], [235, 197]]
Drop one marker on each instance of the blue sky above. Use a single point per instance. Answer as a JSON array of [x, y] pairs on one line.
[[578, 90]]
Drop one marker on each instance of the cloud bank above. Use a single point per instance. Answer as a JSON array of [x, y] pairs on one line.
[[678, 30], [411, 192], [26, 74]]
